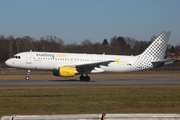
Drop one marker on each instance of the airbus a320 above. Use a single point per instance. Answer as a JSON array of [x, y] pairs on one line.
[[71, 64]]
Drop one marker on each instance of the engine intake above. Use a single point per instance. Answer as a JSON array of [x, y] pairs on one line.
[[65, 72]]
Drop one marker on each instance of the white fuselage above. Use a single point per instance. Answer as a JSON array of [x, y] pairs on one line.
[[51, 61]]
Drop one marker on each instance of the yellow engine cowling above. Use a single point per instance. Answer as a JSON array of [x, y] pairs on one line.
[[65, 72]]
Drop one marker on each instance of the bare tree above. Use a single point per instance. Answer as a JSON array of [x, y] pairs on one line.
[[11, 45]]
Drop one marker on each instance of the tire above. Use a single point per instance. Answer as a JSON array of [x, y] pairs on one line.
[[82, 78], [87, 78], [27, 78]]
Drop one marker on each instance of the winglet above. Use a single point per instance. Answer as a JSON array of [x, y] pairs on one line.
[[117, 60]]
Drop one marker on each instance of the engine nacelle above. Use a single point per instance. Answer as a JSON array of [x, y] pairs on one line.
[[65, 72]]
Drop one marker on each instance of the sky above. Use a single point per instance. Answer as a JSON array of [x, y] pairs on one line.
[[76, 20]]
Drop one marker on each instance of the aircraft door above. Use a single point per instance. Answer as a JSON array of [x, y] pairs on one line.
[[28, 59]]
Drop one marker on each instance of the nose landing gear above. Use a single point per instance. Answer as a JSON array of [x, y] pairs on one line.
[[28, 74]]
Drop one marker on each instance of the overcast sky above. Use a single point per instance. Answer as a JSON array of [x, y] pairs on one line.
[[96, 20]]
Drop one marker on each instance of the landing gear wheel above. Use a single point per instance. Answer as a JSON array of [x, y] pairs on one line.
[[27, 77], [28, 73], [82, 78], [87, 78]]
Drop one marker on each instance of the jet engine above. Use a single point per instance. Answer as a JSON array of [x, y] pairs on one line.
[[65, 72]]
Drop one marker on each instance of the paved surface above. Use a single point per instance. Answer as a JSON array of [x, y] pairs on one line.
[[95, 117], [107, 81]]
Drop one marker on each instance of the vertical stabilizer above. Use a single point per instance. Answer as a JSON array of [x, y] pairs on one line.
[[157, 48], [155, 52]]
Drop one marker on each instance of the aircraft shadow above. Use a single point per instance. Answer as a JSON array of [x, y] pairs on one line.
[[69, 80]]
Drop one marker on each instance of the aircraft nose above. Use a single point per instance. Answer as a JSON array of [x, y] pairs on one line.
[[8, 62]]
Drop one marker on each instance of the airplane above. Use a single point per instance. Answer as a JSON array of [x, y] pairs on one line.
[[71, 64]]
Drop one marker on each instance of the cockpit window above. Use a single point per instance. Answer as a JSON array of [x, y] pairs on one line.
[[17, 57]]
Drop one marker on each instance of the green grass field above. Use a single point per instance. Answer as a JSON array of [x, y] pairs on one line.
[[32, 100], [89, 99]]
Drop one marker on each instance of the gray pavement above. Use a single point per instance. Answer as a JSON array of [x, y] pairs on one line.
[[95, 117], [99, 81]]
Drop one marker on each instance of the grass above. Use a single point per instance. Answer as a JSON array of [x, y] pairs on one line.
[[89, 99], [32, 100]]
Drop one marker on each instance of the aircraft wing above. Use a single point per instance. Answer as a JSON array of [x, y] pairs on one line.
[[88, 67]]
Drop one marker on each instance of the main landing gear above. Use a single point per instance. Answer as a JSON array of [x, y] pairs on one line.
[[84, 78], [28, 74]]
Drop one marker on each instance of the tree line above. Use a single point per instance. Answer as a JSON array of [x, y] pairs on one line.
[[116, 45]]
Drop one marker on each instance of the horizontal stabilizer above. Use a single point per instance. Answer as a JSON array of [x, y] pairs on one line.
[[161, 63]]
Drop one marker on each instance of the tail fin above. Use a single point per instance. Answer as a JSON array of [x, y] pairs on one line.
[[157, 48], [153, 54]]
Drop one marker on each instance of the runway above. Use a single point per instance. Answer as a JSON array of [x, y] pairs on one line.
[[98, 81]]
